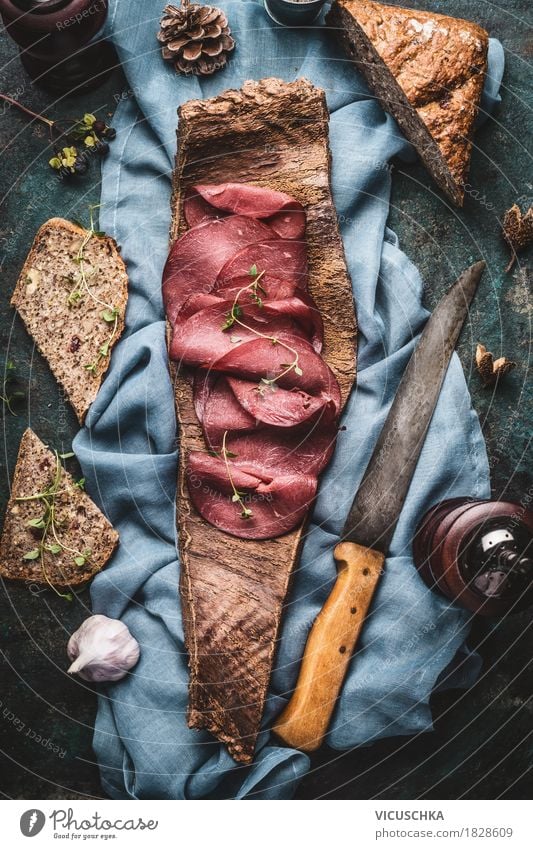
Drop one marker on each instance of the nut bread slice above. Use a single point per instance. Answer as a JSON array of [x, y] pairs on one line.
[[428, 71], [80, 532], [72, 294]]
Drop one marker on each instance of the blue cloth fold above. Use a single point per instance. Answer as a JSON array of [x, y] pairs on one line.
[[413, 639]]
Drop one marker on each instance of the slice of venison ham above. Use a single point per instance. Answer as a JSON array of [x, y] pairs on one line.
[[281, 259], [284, 408], [223, 409], [200, 340], [283, 213], [303, 451], [260, 359], [276, 504], [196, 259]]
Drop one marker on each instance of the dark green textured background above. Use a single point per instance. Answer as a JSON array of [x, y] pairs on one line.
[[481, 746]]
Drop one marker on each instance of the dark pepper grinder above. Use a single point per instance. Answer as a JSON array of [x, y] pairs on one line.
[[478, 554], [58, 41]]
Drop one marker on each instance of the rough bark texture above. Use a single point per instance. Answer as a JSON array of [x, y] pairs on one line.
[[271, 134], [428, 71]]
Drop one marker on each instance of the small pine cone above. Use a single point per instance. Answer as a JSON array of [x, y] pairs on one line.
[[195, 38], [517, 230]]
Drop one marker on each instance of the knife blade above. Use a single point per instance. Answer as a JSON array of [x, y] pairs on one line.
[[371, 521]]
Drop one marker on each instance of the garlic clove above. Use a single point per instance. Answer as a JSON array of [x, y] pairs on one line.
[[102, 649]]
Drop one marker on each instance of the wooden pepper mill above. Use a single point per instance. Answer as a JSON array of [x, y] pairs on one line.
[[56, 44], [478, 553]]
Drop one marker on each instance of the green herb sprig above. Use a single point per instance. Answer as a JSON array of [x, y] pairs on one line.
[[234, 317], [74, 141], [81, 289], [238, 496], [48, 523]]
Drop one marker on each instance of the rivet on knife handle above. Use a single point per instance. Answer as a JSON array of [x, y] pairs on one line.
[[332, 639]]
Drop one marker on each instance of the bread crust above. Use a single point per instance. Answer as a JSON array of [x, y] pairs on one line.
[[437, 66]]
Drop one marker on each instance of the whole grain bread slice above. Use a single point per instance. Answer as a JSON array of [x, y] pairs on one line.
[[428, 71], [73, 308], [78, 543]]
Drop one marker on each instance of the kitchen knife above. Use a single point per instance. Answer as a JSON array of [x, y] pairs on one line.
[[370, 525]]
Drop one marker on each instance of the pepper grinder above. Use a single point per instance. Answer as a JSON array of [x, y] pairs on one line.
[[58, 41], [478, 554]]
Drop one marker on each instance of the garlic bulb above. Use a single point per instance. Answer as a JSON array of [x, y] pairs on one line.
[[102, 649]]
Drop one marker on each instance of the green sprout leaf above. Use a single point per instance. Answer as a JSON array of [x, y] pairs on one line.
[[32, 555], [36, 523], [109, 315], [67, 456], [79, 560]]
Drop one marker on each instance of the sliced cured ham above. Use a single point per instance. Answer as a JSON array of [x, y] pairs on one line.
[[303, 451], [196, 259], [283, 213], [267, 507], [280, 260], [270, 404], [201, 335], [235, 291], [200, 340], [265, 363]]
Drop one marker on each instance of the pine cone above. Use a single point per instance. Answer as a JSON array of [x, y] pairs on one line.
[[517, 230], [196, 38]]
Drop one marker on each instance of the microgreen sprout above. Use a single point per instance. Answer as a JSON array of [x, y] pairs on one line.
[[234, 317], [49, 524], [81, 289], [237, 497]]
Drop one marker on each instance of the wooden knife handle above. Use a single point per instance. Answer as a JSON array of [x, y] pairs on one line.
[[332, 639]]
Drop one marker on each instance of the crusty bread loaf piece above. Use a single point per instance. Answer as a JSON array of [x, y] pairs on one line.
[[428, 71], [79, 529], [63, 313]]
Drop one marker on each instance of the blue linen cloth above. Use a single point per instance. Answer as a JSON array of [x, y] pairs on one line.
[[413, 638]]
